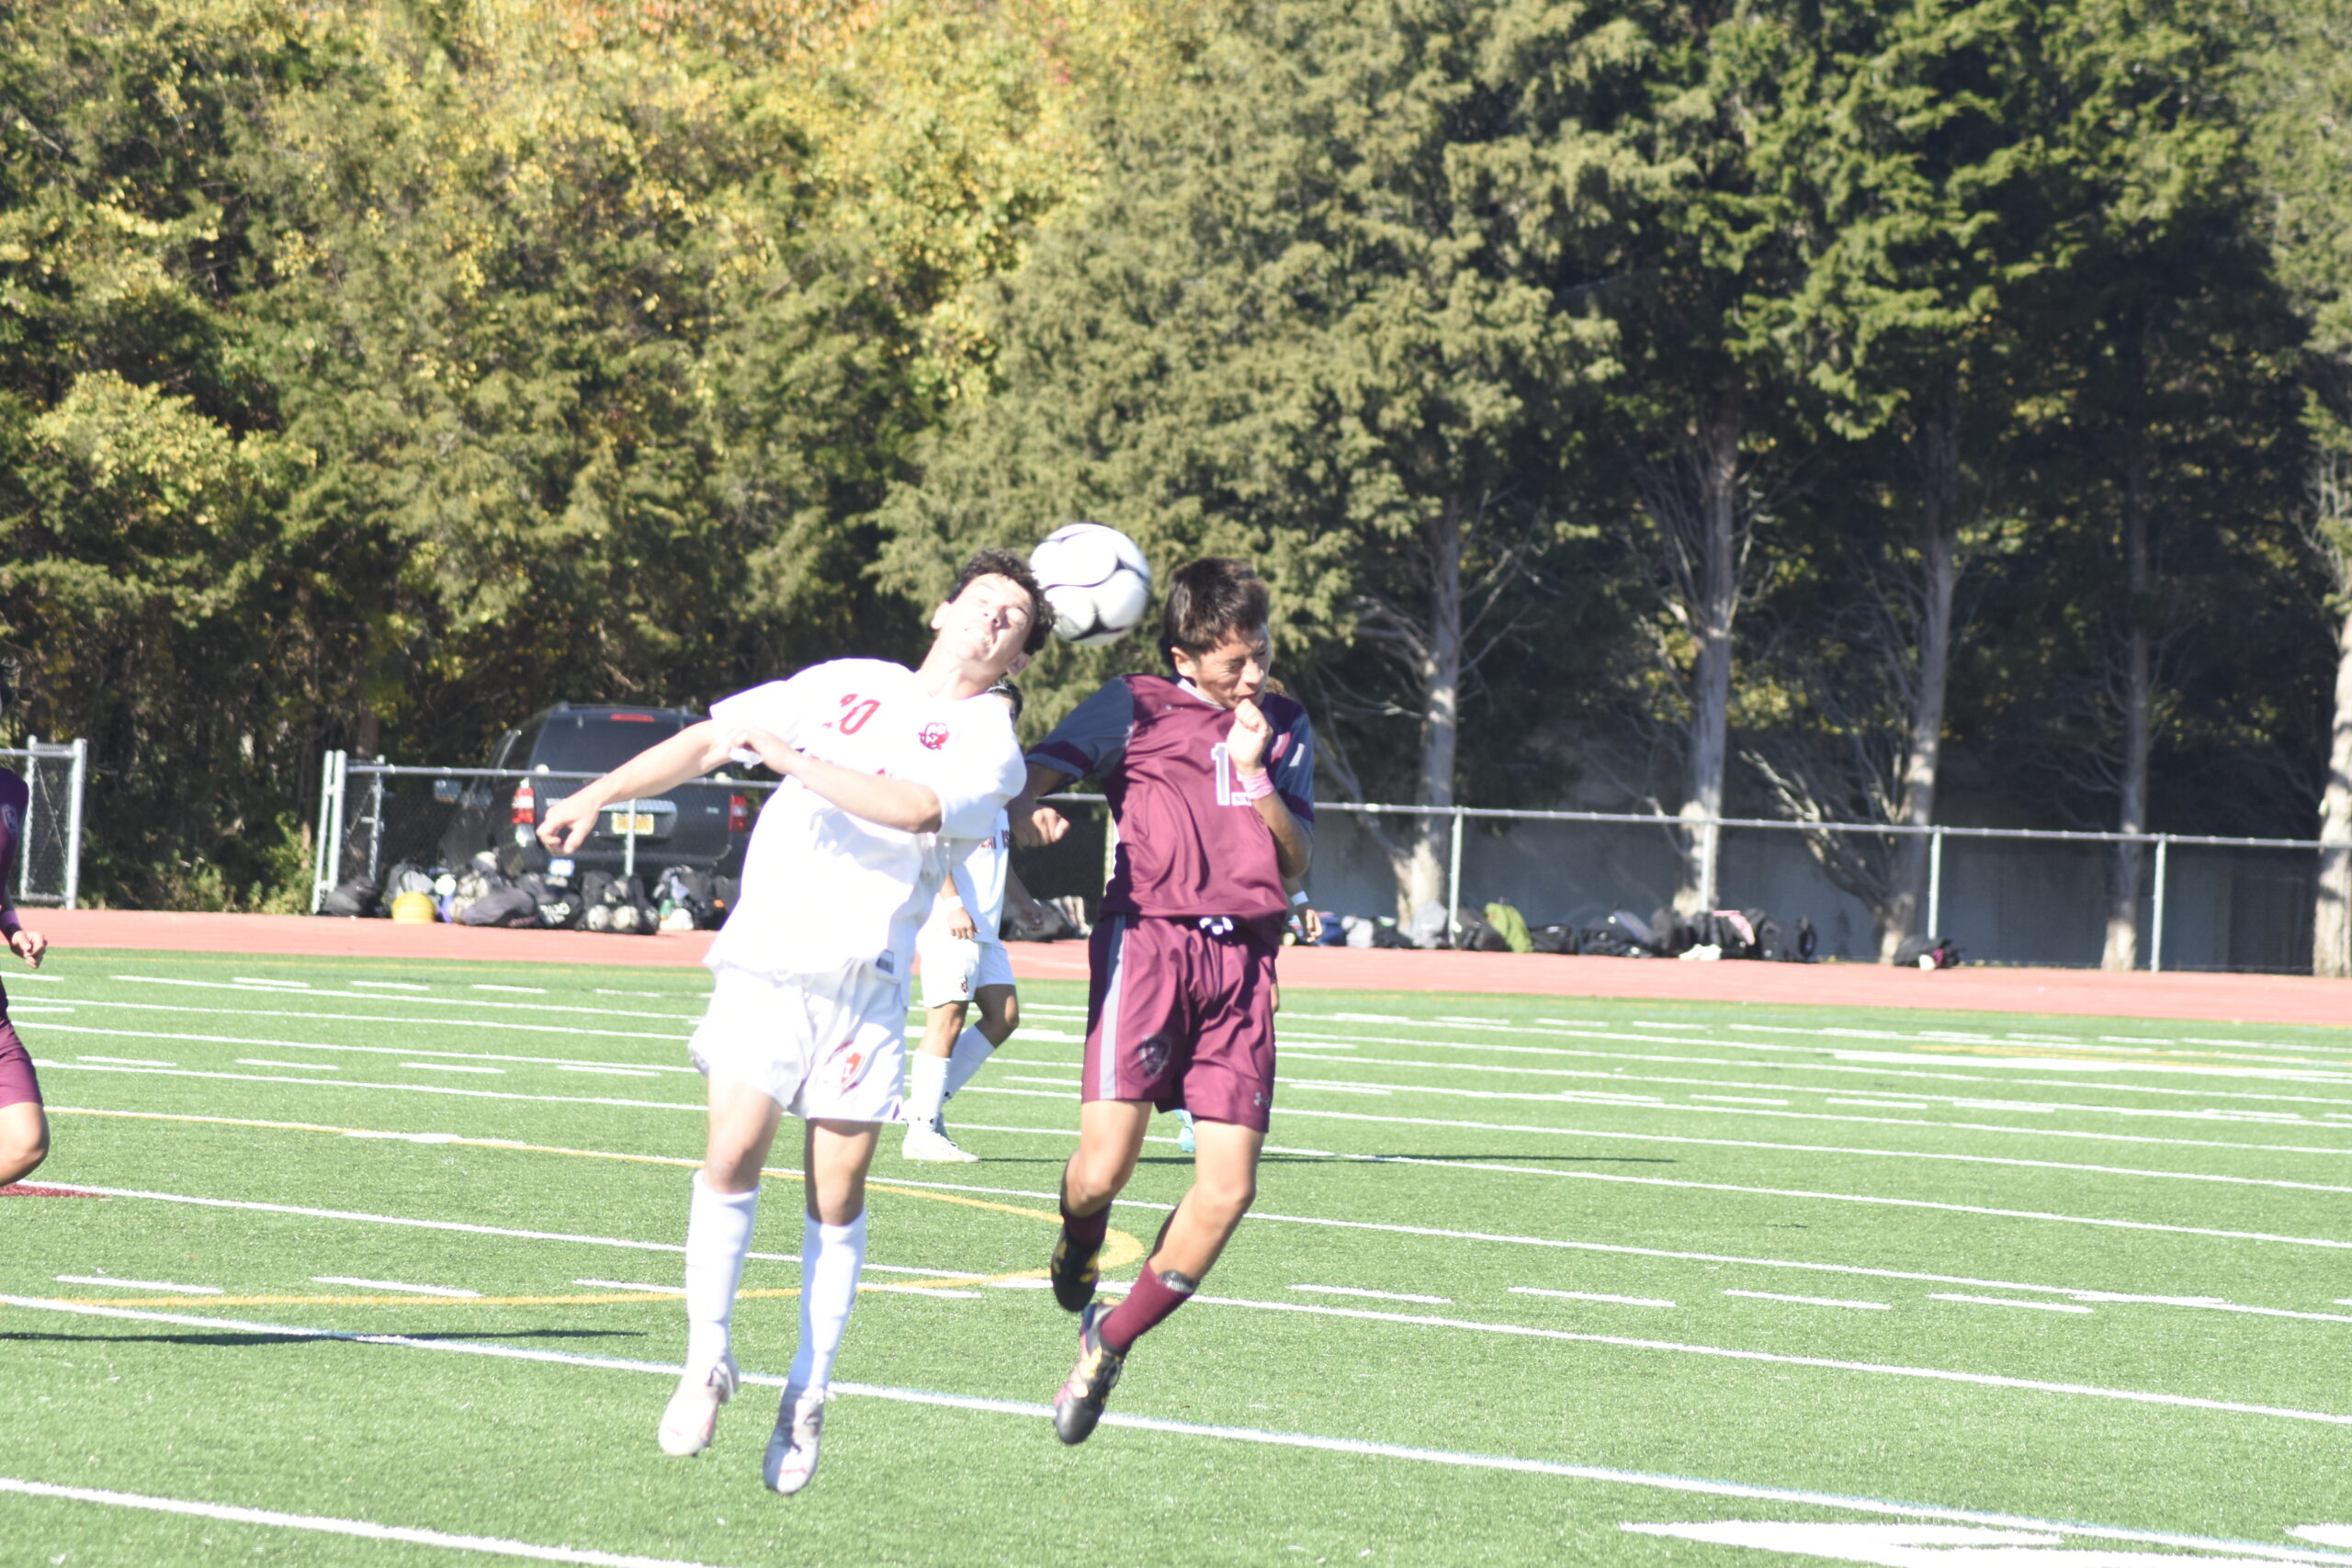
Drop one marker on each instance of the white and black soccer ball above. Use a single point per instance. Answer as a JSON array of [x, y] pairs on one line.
[[1097, 581]]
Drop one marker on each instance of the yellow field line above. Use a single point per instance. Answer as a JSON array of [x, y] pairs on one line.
[[1119, 1249]]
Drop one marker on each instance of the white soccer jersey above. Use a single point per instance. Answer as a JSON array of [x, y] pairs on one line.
[[824, 888]]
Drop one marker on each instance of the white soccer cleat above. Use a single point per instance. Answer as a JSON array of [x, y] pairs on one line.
[[691, 1415], [791, 1461], [929, 1141]]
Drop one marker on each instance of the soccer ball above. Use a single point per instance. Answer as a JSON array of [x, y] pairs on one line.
[[1097, 581]]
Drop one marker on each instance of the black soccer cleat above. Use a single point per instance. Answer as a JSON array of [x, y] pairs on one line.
[[1079, 1404], [1074, 1280]]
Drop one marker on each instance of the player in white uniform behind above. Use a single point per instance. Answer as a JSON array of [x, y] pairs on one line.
[[964, 965], [890, 775]]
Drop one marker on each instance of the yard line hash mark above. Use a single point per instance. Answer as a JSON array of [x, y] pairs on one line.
[[396, 1285], [1811, 1301], [1376, 1295], [1590, 1296], [2005, 1301], [164, 1285]]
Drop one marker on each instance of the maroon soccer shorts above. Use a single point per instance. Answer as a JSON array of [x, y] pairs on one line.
[[18, 1083], [1182, 1014]]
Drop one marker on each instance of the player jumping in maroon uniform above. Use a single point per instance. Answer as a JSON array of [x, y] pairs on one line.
[[1211, 783]]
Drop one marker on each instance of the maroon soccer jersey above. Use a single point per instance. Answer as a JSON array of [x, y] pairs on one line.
[[1190, 842]]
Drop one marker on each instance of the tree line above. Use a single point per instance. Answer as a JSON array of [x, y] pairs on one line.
[[1799, 407]]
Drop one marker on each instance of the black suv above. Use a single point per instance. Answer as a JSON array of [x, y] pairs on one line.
[[703, 824]]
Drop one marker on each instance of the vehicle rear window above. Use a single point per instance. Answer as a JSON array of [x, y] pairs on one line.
[[597, 743]]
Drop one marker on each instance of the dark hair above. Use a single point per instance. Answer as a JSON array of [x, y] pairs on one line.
[[1209, 600], [1004, 563], [1012, 695]]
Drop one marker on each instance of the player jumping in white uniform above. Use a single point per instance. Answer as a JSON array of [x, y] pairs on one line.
[[890, 775]]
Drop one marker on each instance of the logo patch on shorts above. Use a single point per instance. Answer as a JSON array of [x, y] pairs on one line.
[[934, 736], [850, 1063], [1151, 1057]]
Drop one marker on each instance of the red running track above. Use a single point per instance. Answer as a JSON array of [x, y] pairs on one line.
[[2237, 998]]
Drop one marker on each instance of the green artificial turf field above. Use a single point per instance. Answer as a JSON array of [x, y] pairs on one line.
[[389, 1250]]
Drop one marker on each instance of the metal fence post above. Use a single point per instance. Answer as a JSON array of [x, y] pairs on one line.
[[339, 774], [1453, 877], [320, 885], [32, 814], [2156, 936], [1935, 883], [74, 786], [375, 829]]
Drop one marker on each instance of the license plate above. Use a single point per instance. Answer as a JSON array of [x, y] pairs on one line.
[[625, 823]]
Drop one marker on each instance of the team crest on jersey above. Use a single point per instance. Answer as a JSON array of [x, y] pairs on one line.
[[934, 736]]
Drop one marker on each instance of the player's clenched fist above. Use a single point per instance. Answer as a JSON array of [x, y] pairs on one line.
[[1246, 747], [750, 742], [1038, 826], [28, 945], [567, 823]]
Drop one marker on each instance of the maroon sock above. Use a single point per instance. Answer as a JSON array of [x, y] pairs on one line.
[[1085, 1231], [1155, 1296]]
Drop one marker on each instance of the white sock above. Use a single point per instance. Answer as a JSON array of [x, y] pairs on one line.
[[972, 1049], [926, 1087], [719, 1237], [831, 1256]]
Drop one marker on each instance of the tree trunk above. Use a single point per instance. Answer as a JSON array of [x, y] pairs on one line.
[[2332, 922], [1938, 445], [2122, 951], [1424, 874], [1715, 586]]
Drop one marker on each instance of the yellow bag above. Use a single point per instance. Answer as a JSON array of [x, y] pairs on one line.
[[415, 909]]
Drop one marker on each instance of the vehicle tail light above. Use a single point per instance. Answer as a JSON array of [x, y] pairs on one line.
[[739, 813], [525, 806]]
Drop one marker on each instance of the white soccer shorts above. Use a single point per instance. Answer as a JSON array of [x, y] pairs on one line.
[[955, 969], [821, 1046]]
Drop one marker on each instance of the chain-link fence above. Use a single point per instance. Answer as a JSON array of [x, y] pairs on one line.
[[378, 815], [2005, 895], [49, 846]]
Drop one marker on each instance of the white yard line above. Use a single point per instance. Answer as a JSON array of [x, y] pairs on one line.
[[323, 1525], [1817, 1301], [438, 1024], [698, 1108], [1342, 1445], [389, 985], [454, 1067], [1376, 1295], [519, 990], [123, 1062], [1590, 1296], [164, 1285], [2006, 1302], [275, 985], [298, 1066], [463, 1227], [394, 1285], [423, 1000]]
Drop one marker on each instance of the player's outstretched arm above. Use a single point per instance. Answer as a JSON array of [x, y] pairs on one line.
[[903, 804], [692, 752]]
